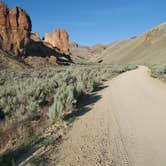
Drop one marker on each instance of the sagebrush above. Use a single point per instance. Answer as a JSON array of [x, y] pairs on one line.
[[25, 92]]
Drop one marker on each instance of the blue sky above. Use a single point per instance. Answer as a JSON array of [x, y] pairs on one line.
[[94, 21]]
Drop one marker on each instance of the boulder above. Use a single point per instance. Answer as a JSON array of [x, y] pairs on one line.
[[53, 60]]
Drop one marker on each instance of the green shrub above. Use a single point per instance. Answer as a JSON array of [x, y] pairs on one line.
[[25, 91], [159, 71], [64, 101], [48, 141], [37, 161]]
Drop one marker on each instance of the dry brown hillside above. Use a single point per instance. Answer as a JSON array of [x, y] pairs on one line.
[[148, 48]]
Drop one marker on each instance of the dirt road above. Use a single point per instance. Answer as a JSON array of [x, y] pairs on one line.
[[127, 126]]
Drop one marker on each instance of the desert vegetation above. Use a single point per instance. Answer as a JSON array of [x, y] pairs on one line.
[[46, 94], [159, 71], [26, 92]]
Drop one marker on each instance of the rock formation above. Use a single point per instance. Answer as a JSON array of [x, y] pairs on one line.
[[59, 39], [15, 29], [35, 36], [152, 35]]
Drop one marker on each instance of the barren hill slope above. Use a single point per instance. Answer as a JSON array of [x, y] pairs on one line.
[[148, 48], [82, 54]]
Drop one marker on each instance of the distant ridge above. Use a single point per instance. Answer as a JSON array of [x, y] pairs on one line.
[[148, 48]]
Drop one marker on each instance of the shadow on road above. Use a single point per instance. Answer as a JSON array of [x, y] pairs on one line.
[[84, 105]]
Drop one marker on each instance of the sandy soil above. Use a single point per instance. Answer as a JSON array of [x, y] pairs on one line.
[[126, 126]]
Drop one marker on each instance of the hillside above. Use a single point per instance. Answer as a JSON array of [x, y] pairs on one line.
[[148, 48], [82, 54]]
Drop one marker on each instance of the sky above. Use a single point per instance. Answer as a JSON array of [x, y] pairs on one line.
[[89, 22]]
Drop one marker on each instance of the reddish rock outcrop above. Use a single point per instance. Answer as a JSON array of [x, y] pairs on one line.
[[15, 28], [59, 39], [152, 35]]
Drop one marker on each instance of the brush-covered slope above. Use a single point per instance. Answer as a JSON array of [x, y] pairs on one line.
[[8, 61], [149, 48]]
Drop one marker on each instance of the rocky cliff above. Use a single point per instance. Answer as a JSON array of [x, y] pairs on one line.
[[18, 42], [59, 39], [15, 28]]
